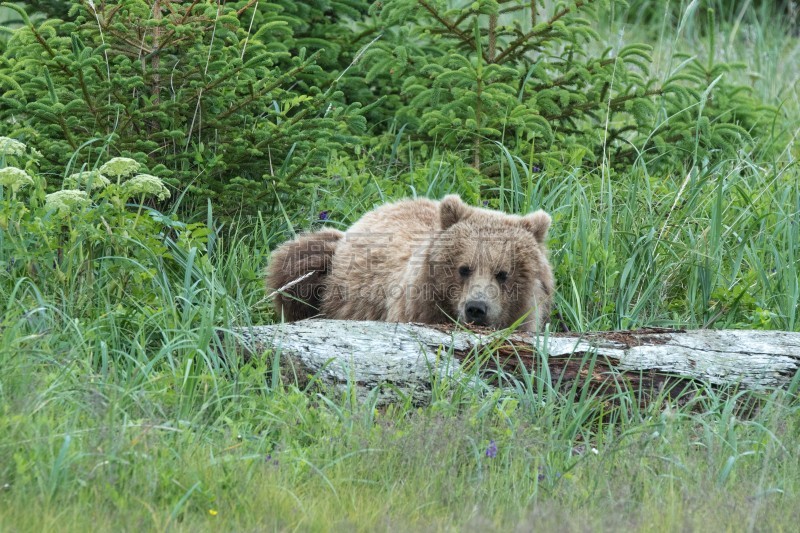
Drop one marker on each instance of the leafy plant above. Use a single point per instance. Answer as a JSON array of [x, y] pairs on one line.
[[96, 228], [190, 88], [523, 74]]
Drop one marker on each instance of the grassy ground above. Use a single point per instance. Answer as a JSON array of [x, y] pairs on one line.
[[111, 421]]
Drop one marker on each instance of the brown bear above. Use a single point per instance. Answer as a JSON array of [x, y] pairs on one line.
[[420, 261]]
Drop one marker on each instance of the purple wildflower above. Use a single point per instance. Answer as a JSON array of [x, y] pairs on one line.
[[491, 451], [485, 203], [543, 474], [323, 215], [537, 168]]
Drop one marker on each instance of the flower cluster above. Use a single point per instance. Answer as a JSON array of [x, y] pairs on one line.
[[14, 178], [87, 180], [119, 167], [491, 451], [147, 185], [66, 200], [11, 147]]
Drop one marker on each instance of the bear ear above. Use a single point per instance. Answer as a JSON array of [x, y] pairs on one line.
[[537, 223], [452, 210]]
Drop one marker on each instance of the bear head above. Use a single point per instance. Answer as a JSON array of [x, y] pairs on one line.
[[490, 268]]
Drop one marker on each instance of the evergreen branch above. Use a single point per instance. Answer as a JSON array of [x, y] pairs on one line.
[[184, 19], [43, 42], [614, 134], [366, 33], [565, 80], [288, 178], [245, 8], [218, 81], [461, 18], [85, 90], [613, 104], [548, 28], [511, 9], [138, 47], [188, 12], [65, 130], [465, 38], [59, 121], [166, 40], [259, 92], [96, 13]]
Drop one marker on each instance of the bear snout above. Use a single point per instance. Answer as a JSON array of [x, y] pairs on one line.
[[476, 311]]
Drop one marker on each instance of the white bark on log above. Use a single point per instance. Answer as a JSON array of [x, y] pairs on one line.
[[406, 357]]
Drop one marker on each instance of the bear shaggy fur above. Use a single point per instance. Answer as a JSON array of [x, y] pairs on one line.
[[420, 261]]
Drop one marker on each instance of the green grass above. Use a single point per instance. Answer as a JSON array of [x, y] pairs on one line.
[[130, 419]]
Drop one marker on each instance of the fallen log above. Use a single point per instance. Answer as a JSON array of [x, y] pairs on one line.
[[397, 360]]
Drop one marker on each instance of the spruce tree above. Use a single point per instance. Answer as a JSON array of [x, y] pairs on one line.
[[219, 99], [536, 80]]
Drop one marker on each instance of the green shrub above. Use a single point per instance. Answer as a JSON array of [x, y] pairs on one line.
[[215, 106], [514, 73]]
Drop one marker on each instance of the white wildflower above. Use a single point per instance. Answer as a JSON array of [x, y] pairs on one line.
[[146, 185], [15, 178], [11, 147], [66, 200], [87, 180], [119, 167]]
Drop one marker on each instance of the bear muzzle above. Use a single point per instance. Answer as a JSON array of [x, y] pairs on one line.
[[475, 311]]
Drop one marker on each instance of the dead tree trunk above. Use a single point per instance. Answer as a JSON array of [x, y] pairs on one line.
[[395, 360]]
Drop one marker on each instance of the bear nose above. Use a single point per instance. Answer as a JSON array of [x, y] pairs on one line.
[[476, 311]]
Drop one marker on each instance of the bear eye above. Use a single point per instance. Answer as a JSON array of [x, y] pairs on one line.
[[501, 276], [464, 271]]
